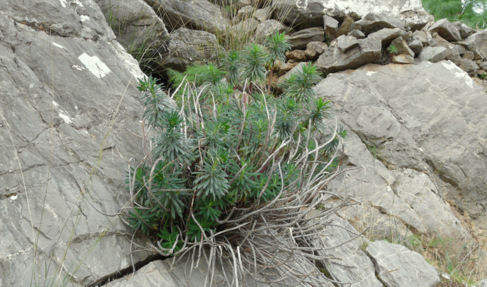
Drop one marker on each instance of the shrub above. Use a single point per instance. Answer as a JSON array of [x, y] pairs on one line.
[[226, 172]]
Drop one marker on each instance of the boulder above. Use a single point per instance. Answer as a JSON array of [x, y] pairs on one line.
[[357, 34], [416, 46], [428, 136], [374, 22], [423, 36], [397, 265], [331, 26], [368, 50], [446, 30], [386, 35], [346, 26], [298, 55], [193, 14], [245, 13], [469, 66], [263, 14], [477, 43], [346, 43], [402, 47], [136, 26], [315, 49], [299, 14], [403, 59], [300, 39], [244, 30], [69, 125], [433, 54], [464, 29], [187, 47], [267, 28], [416, 19]]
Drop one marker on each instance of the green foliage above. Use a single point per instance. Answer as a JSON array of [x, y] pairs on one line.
[[197, 74], [300, 85], [392, 49], [471, 12], [277, 45], [212, 156], [253, 62]]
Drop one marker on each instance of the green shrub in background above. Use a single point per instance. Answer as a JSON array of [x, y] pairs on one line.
[[471, 12], [226, 170]]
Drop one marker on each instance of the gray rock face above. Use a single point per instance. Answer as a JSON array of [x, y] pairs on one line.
[[402, 47], [420, 130], [69, 116], [188, 47], [374, 22], [415, 46], [397, 265], [477, 43], [300, 39], [386, 35], [446, 30], [135, 24], [433, 54], [331, 26], [267, 28], [302, 14], [193, 14], [349, 54], [464, 29]]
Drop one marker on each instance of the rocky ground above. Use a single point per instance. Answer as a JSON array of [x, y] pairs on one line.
[[414, 159]]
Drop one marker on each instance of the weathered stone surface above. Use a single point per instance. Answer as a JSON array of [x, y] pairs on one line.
[[446, 30], [194, 14], [425, 132], [348, 262], [386, 35], [245, 13], [477, 43], [403, 59], [416, 46], [416, 19], [402, 47], [346, 26], [423, 36], [374, 22], [263, 14], [357, 34], [433, 54], [298, 13], [301, 38], [469, 66], [334, 59], [298, 55], [397, 265], [346, 43], [464, 29], [331, 26], [267, 28], [315, 49], [69, 119], [244, 29], [186, 47], [135, 24]]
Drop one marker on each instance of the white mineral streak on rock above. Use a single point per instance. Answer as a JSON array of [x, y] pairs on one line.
[[63, 3], [94, 65], [84, 18], [57, 45], [459, 73], [65, 118], [79, 68], [370, 73], [363, 7], [55, 104]]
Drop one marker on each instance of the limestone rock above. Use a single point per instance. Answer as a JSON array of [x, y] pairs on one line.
[[245, 13], [69, 124], [346, 43], [301, 14], [416, 19], [469, 66], [415, 46], [464, 29], [331, 26], [267, 28], [244, 29], [407, 122], [346, 26], [188, 47], [433, 54], [357, 34], [477, 43], [423, 36], [446, 30], [386, 35], [374, 22], [402, 47], [315, 49], [301, 38], [397, 265], [263, 14], [298, 55], [403, 59], [334, 59], [136, 25], [194, 14]]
